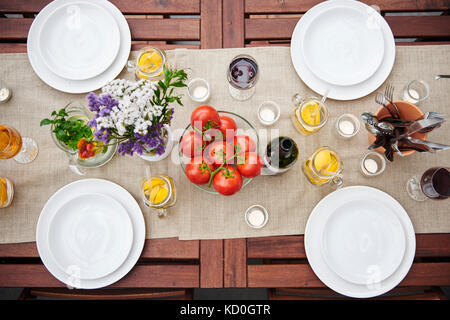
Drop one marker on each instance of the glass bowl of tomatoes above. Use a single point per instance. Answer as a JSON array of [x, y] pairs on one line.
[[220, 156]]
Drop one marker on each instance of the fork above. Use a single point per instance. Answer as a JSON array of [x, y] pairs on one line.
[[389, 93], [380, 98]]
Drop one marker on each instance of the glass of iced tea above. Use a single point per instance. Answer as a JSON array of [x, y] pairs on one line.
[[159, 193], [242, 75], [309, 115], [434, 184], [13, 145], [324, 166], [149, 64], [6, 192]]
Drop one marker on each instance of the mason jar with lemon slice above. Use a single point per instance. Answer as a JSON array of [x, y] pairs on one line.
[[159, 193], [149, 64], [309, 114], [324, 166], [6, 192]]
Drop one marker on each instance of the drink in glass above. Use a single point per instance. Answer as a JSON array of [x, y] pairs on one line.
[[324, 166], [159, 193], [149, 64], [6, 192], [13, 145], [242, 75], [309, 114], [434, 184]]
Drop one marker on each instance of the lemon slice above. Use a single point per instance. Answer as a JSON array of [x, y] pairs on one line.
[[3, 192], [158, 194], [311, 113], [150, 61], [322, 160]]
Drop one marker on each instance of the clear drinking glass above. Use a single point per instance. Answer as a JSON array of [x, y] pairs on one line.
[[416, 91], [309, 114], [324, 166], [149, 64], [6, 192], [13, 145], [434, 184], [159, 193], [242, 75]]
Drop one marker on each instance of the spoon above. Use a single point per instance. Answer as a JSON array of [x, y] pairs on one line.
[[444, 76]]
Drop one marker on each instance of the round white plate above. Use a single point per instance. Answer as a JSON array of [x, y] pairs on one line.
[[341, 48], [342, 92], [77, 86], [79, 40], [65, 194], [91, 233], [362, 237], [313, 239]]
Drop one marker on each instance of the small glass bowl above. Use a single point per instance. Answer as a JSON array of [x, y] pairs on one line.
[[372, 158], [347, 119], [255, 208], [267, 108], [198, 83]]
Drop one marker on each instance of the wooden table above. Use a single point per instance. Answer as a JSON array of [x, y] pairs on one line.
[[270, 262]]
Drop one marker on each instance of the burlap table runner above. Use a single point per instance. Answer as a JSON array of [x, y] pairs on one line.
[[289, 198]]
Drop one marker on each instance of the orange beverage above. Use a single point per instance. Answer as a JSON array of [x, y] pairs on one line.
[[6, 192], [10, 142]]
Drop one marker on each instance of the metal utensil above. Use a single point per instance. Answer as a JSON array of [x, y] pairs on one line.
[[444, 76], [433, 147], [370, 122], [389, 93], [381, 100], [419, 125]]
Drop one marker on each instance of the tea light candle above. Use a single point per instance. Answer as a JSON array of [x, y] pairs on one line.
[[347, 125], [371, 165], [268, 112], [198, 90], [256, 216], [5, 95]]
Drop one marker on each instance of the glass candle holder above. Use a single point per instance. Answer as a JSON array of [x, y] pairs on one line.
[[347, 126], [372, 164], [256, 216], [198, 90], [268, 113], [5, 94], [416, 91]]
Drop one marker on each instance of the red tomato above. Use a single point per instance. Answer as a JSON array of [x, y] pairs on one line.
[[204, 118], [228, 128], [244, 144], [192, 144], [250, 166], [227, 181], [197, 171], [218, 151]]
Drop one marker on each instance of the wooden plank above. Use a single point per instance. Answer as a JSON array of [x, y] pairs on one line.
[[233, 23], [288, 6], [301, 275], [211, 263], [168, 248], [141, 276], [235, 263], [126, 6], [211, 24], [16, 29], [292, 247], [402, 27], [136, 45]]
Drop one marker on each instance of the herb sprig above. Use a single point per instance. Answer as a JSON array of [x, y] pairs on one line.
[[68, 131]]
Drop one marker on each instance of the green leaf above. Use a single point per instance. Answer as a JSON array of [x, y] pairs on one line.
[[45, 122]]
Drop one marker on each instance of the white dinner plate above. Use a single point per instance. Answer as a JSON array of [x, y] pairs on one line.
[[334, 91], [65, 194], [314, 233], [91, 233], [341, 47], [69, 85], [79, 40], [363, 237]]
